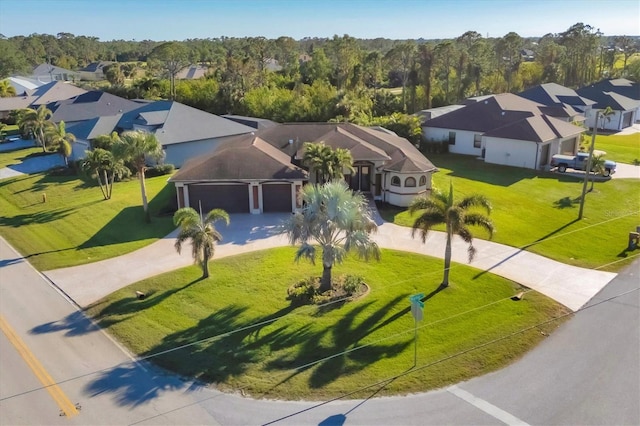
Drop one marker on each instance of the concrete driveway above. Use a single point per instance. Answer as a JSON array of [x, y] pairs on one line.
[[569, 285], [30, 165]]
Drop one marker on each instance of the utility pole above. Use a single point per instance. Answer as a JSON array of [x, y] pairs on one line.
[[587, 171]]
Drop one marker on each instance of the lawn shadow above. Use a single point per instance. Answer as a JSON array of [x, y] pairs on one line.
[[133, 384], [232, 344], [128, 306], [341, 357], [567, 202], [524, 248], [35, 218], [128, 225]]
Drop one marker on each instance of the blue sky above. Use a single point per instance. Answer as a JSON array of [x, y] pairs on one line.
[[395, 19]]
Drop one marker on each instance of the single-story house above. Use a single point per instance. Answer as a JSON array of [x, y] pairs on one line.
[[621, 95], [94, 71], [184, 132], [42, 95], [262, 171], [192, 72], [561, 102], [505, 129], [48, 73], [24, 86], [89, 105]]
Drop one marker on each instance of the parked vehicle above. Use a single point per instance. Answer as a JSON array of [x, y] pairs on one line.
[[579, 162]]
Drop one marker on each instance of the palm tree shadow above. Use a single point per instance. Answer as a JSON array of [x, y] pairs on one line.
[[524, 248], [131, 305]]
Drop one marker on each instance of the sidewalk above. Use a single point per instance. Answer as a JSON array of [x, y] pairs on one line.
[[569, 285]]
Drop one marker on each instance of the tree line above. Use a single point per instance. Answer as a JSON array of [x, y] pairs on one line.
[[340, 78]]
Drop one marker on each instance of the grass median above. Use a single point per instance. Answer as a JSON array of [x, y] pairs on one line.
[[237, 329]]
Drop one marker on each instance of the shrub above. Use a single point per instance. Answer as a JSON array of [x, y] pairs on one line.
[[303, 292], [159, 170]]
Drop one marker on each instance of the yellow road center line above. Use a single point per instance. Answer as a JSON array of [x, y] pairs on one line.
[[47, 381]]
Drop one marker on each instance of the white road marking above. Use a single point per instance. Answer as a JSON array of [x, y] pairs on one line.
[[485, 406]]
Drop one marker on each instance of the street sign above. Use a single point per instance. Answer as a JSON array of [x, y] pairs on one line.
[[417, 305]]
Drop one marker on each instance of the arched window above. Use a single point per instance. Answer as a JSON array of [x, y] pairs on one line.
[[423, 180], [395, 181], [410, 182]]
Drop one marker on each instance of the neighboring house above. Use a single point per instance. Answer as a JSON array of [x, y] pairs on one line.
[[90, 105], [192, 72], [94, 71], [527, 55], [621, 95], [43, 95], [184, 132], [47, 73], [24, 86], [262, 171], [561, 102], [505, 129]]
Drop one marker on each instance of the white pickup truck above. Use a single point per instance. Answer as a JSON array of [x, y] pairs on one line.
[[579, 162]]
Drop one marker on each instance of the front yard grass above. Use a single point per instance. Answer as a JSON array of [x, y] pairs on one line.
[[242, 333], [76, 225], [620, 148], [538, 211]]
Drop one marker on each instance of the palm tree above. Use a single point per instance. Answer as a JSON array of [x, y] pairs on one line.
[[136, 146], [101, 164], [6, 89], [440, 208], [58, 137], [105, 141], [37, 121], [328, 164], [605, 115], [202, 233], [338, 220]]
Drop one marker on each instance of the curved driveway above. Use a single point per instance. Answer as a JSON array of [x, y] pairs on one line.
[[569, 285]]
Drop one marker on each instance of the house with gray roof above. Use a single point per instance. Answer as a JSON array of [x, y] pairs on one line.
[[184, 132], [561, 102], [505, 129], [262, 171], [48, 73], [42, 95], [95, 103], [94, 71], [621, 95]]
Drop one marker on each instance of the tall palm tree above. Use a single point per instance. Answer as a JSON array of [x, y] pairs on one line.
[[101, 164], [57, 137], [440, 208], [136, 146], [328, 164], [37, 121], [338, 220], [6, 89], [202, 233]]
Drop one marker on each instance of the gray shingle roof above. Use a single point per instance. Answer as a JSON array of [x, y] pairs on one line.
[[90, 105], [552, 94], [616, 101], [621, 86], [539, 128], [94, 127], [182, 123], [55, 91], [244, 157]]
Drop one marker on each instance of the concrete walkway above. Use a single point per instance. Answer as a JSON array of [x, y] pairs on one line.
[[569, 285]]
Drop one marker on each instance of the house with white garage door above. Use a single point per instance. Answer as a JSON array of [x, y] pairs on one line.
[[505, 129], [262, 172]]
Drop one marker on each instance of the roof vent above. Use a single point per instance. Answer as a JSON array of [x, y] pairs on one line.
[[486, 102], [290, 141], [502, 112]]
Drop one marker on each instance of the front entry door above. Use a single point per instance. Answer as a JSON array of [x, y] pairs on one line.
[[361, 178]]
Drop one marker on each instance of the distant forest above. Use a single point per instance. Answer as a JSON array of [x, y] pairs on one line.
[[339, 78]]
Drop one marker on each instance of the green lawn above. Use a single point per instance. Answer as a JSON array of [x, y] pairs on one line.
[[251, 338], [620, 148], [16, 157], [76, 225], [539, 210]]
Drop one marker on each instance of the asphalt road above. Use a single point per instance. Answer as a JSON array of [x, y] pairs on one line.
[[587, 372]]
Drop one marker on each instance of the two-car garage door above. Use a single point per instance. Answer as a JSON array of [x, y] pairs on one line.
[[231, 198], [234, 198]]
